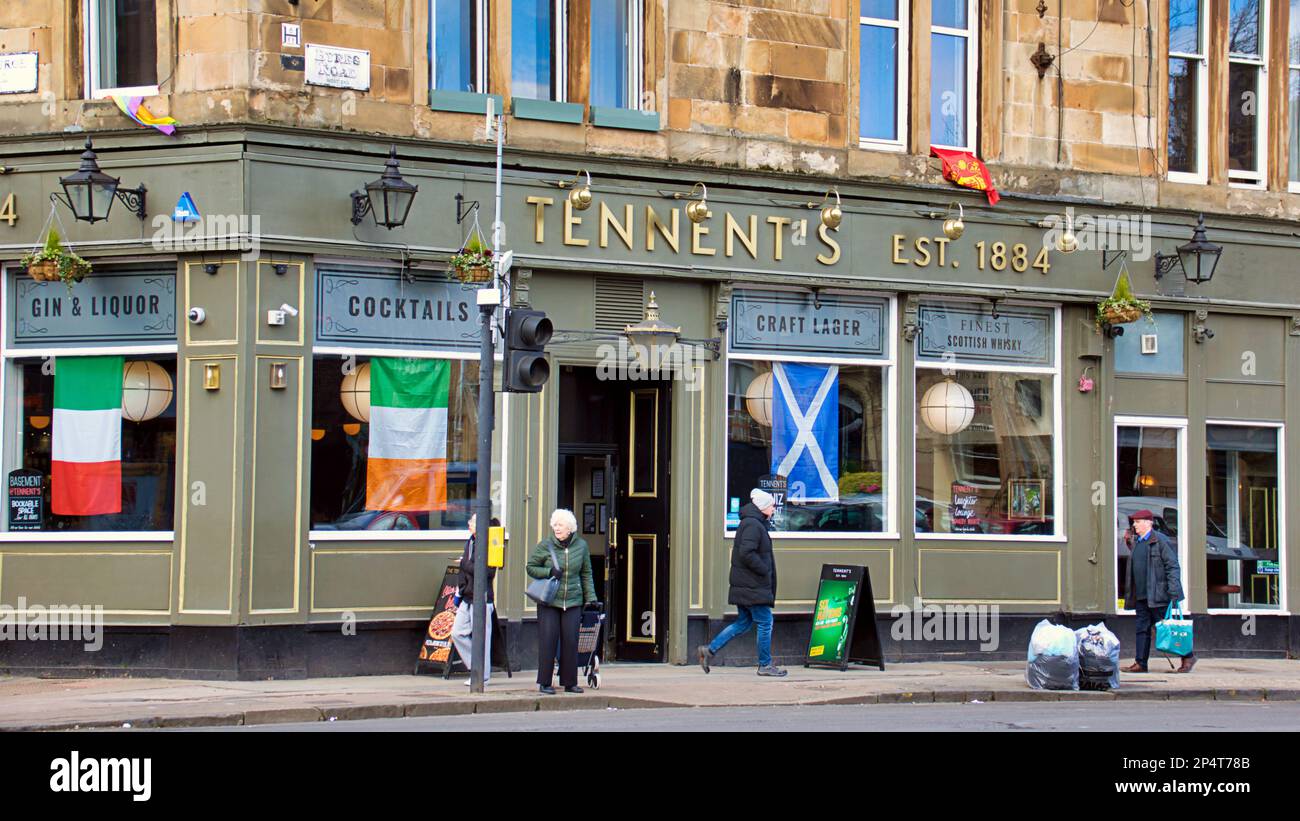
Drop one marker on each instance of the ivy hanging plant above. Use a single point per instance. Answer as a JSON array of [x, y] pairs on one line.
[[1121, 307], [474, 262], [53, 262]]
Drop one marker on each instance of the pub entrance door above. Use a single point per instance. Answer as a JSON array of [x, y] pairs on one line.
[[614, 446]]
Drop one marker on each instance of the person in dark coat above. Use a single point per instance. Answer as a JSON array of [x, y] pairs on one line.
[[752, 583], [1153, 582], [462, 632]]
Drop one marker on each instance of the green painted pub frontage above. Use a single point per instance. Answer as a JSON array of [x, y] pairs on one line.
[[978, 440]]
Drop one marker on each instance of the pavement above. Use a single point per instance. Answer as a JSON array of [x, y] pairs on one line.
[[100, 703]]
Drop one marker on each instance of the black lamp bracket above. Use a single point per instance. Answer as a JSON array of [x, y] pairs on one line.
[[360, 206], [463, 210], [1165, 263], [133, 198], [1109, 258]]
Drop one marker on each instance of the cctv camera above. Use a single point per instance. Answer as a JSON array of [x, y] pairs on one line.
[[197, 315], [289, 309]]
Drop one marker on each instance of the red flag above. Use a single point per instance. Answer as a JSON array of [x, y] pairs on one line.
[[966, 170]]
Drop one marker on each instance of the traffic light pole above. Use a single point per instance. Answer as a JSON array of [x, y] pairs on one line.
[[487, 299]]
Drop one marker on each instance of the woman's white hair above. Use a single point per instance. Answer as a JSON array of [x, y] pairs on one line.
[[566, 517]]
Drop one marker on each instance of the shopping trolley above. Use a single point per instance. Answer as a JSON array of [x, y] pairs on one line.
[[589, 639]]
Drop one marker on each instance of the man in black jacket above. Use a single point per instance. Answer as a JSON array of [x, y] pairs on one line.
[[753, 583], [1153, 582], [462, 632]]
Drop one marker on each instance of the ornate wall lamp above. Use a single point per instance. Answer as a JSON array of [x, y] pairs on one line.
[[1197, 258], [388, 198], [697, 210], [831, 215], [580, 196], [89, 192]]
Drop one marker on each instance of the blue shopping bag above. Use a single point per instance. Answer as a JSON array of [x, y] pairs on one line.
[[1174, 635]]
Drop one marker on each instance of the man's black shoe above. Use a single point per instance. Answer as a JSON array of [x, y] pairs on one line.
[[542, 688], [574, 689]]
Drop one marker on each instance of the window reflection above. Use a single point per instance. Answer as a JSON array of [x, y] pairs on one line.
[[532, 42], [1243, 544]]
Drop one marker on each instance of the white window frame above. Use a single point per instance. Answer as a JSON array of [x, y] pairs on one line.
[[480, 46], [903, 28], [414, 353], [1259, 177], [9, 441], [1282, 608], [892, 496], [1293, 68], [972, 37], [634, 47], [1179, 425], [1201, 175], [90, 57], [1059, 534]]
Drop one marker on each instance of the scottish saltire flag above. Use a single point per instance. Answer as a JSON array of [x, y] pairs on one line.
[[86, 466], [806, 429], [406, 468]]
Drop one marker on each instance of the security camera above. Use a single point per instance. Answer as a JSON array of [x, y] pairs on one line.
[[289, 309], [197, 315]]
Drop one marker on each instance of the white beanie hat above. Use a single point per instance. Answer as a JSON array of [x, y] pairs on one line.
[[761, 499]]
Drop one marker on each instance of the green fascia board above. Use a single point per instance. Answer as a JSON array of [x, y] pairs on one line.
[[624, 118], [548, 110], [466, 102]]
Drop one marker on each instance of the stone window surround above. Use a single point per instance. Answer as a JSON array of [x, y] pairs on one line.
[[90, 52], [1275, 139]]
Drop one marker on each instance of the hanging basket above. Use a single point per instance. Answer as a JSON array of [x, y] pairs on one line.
[[1120, 314], [46, 270], [474, 273]]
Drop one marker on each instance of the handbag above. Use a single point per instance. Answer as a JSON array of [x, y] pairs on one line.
[[544, 591], [1174, 635]]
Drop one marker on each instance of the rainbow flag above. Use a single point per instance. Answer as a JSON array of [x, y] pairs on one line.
[[133, 107], [406, 466]]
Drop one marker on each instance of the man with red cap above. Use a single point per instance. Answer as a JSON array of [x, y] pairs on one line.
[[1153, 582]]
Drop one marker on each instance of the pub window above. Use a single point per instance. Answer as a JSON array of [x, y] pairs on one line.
[[1247, 91], [882, 73], [953, 72], [807, 411], [1188, 90], [95, 446], [616, 53], [121, 47], [987, 422], [457, 45], [537, 49], [1293, 75], [394, 442], [1243, 541]]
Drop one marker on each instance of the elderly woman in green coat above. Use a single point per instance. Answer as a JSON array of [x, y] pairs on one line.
[[564, 556]]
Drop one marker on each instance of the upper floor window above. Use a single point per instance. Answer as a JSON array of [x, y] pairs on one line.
[[537, 48], [1247, 91], [121, 47], [1293, 61], [882, 73], [953, 72], [457, 34], [616, 53], [1188, 89]]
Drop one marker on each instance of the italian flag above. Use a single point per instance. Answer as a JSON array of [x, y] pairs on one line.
[[407, 465], [86, 474]]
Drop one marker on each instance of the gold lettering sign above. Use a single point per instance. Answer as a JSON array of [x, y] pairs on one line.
[[571, 222], [623, 229], [653, 223], [932, 252], [539, 227]]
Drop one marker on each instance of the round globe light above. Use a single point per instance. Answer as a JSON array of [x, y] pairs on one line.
[[758, 399], [947, 407], [354, 393], [146, 390]]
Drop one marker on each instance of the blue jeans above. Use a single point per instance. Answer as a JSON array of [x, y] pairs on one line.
[[760, 615]]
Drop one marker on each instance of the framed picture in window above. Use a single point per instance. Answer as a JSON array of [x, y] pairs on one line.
[[1025, 500], [589, 517]]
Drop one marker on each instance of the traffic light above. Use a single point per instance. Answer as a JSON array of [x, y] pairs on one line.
[[526, 368]]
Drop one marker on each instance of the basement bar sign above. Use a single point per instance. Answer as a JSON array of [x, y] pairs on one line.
[[106, 308], [380, 308]]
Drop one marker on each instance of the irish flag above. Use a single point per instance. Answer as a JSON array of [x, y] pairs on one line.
[[407, 466], [86, 474]]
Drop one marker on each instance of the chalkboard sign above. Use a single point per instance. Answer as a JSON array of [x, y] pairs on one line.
[[964, 518], [435, 649], [844, 621], [26, 500]]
